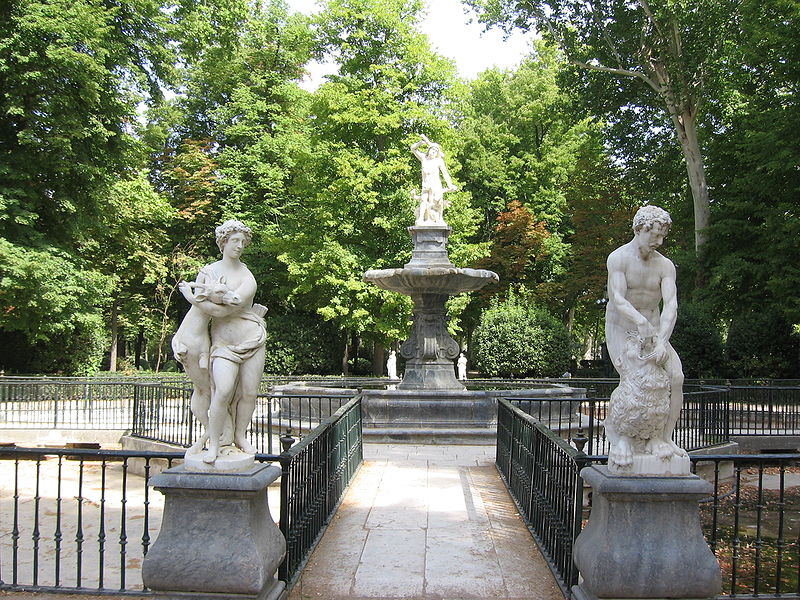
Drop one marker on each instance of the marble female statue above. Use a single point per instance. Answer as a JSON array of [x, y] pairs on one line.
[[235, 347], [645, 407], [191, 346], [462, 367], [431, 199], [391, 365]]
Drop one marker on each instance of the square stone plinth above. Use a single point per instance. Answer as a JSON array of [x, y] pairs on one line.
[[217, 538]]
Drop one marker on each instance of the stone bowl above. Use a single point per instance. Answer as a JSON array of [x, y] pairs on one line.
[[435, 280]]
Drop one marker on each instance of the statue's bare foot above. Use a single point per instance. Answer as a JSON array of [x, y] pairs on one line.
[[659, 448], [211, 454], [620, 453], [244, 445]]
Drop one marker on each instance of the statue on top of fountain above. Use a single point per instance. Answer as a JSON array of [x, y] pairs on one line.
[[644, 408], [431, 198]]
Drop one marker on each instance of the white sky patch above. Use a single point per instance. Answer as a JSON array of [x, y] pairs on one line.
[[452, 35]]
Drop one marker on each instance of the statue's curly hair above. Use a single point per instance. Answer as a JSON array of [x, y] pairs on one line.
[[649, 216], [228, 228]]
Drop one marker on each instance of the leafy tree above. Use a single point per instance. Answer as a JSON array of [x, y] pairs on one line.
[[71, 75], [300, 344], [663, 55], [515, 338], [520, 140], [47, 294], [755, 156], [521, 251], [762, 344], [351, 200]]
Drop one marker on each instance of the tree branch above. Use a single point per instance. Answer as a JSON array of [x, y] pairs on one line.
[[604, 32], [650, 17], [621, 72]]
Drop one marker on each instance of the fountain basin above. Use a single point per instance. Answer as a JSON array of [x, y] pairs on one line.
[[430, 280]]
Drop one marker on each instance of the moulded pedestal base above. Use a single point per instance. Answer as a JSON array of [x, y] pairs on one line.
[[430, 376], [644, 539], [217, 538]]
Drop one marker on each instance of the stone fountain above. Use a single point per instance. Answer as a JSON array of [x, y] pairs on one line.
[[430, 279], [431, 405]]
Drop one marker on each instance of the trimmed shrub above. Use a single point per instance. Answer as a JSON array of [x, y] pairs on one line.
[[518, 339], [698, 342]]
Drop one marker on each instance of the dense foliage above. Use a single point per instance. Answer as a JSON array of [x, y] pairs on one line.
[[516, 338], [698, 342], [129, 129]]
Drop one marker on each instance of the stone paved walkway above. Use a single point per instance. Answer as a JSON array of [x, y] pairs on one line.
[[426, 523]]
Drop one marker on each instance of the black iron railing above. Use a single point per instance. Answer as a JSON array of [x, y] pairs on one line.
[[710, 415], [77, 519], [163, 413], [764, 410], [315, 474], [750, 521], [542, 472], [82, 520], [65, 404]]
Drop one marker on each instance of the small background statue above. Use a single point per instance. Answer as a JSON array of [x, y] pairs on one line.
[[462, 367], [391, 365], [431, 198], [644, 409], [226, 362]]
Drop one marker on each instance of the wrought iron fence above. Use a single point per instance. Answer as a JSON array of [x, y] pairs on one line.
[[764, 410], [710, 415], [750, 520], [163, 413], [703, 423], [315, 474], [65, 404], [82, 520], [542, 472], [77, 519]]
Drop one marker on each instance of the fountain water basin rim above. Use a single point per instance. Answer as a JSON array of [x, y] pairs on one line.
[[443, 280]]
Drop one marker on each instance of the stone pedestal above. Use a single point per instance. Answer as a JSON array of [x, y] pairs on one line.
[[644, 539], [430, 246], [217, 538]]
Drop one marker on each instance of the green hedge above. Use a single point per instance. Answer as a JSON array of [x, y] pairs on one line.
[[518, 339]]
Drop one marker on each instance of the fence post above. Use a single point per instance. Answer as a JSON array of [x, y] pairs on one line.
[[286, 462], [55, 407]]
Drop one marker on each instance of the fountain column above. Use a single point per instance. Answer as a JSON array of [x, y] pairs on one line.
[[430, 349]]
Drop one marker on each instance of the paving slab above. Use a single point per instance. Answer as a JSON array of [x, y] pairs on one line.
[[426, 523]]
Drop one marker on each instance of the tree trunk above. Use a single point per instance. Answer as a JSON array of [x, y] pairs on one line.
[[569, 317], [137, 361], [686, 128], [346, 354], [112, 354], [378, 359]]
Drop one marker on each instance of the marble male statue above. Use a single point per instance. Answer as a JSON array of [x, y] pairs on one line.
[[645, 407], [230, 361], [431, 199]]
